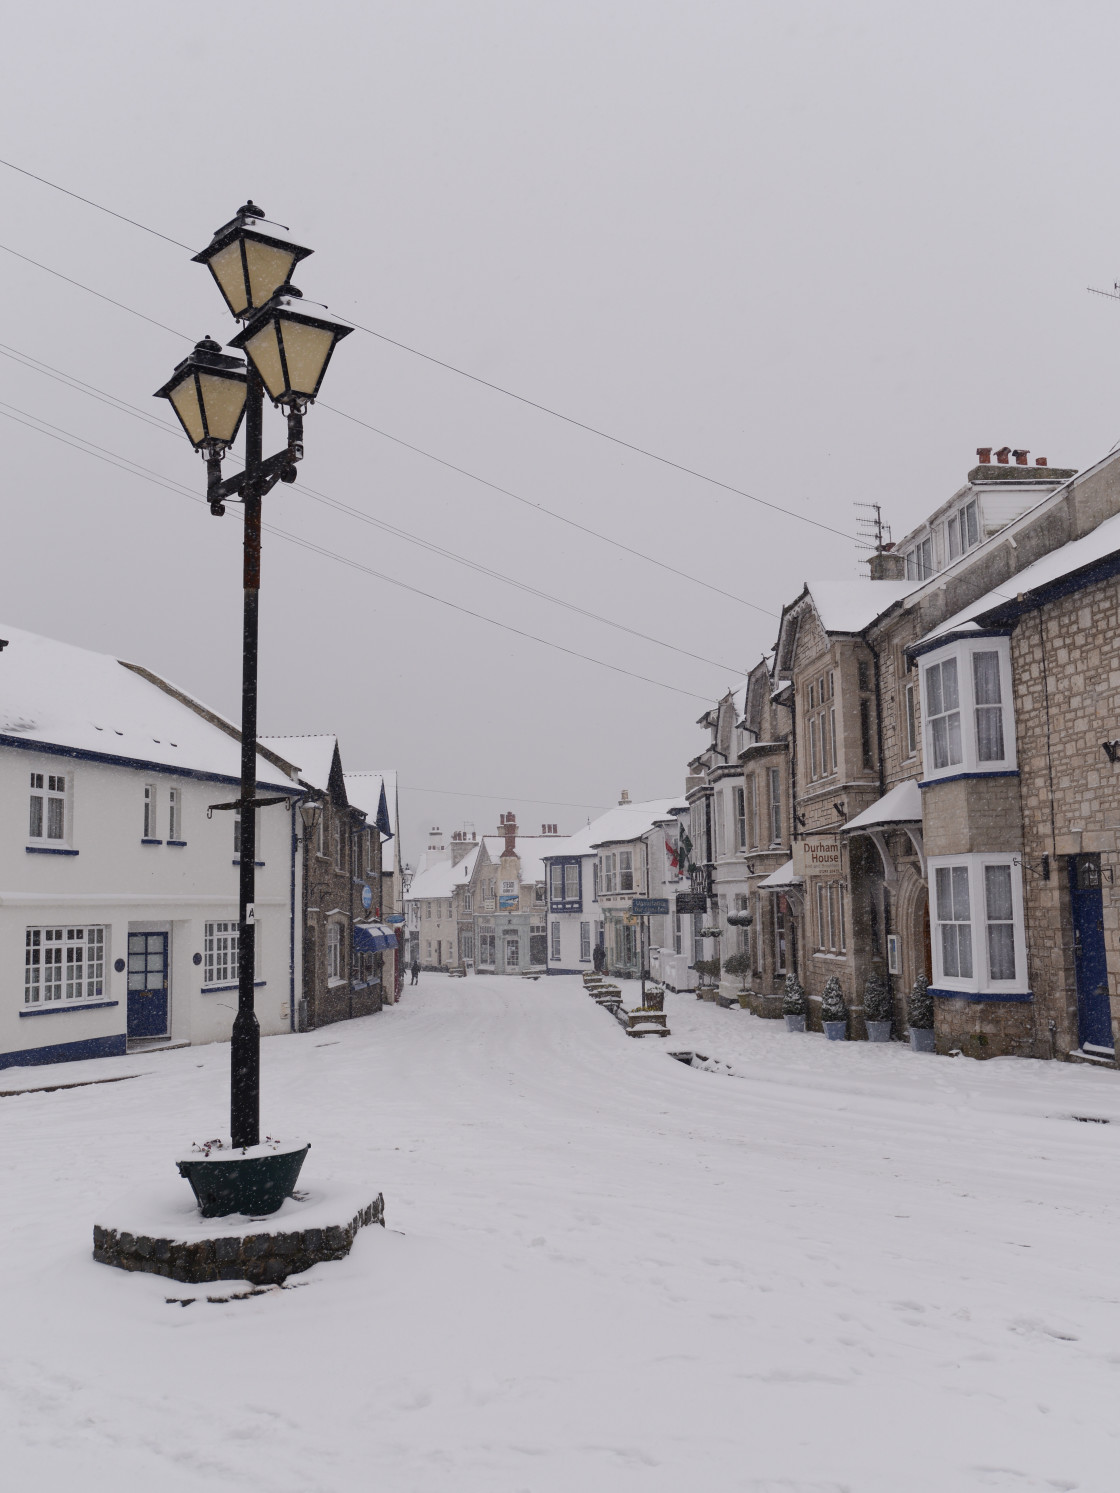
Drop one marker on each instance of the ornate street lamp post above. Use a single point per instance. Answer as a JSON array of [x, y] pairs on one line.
[[289, 344]]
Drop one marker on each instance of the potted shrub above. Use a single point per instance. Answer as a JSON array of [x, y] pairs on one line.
[[877, 1009], [919, 1013], [739, 964], [708, 970], [834, 1013], [793, 1005]]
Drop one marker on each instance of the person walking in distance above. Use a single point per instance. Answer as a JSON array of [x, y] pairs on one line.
[[415, 967]]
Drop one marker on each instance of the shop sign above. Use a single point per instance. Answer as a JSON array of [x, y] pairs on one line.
[[507, 903], [816, 855]]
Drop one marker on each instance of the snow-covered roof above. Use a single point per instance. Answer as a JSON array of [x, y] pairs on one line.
[[442, 878], [902, 805], [781, 878], [363, 789], [1055, 566], [850, 606], [626, 822], [313, 756], [56, 694]]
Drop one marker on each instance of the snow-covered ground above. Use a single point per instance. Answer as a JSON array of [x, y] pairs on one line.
[[833, 1267]]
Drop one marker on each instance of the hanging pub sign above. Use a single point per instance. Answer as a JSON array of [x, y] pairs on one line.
[[690, 902], [816, 855]]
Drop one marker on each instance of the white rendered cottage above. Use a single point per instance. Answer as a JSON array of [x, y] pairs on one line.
[[118, 895]]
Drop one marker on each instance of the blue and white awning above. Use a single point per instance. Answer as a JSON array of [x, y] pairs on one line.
[[372, 938]]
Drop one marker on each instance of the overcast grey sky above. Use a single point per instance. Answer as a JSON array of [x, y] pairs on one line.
[[818, 251]]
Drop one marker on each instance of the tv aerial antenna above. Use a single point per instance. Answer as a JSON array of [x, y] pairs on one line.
[[1109, 295], [874, 534]]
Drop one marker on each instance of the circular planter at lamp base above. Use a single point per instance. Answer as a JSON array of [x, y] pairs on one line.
[[835, 1031], [878, 1031], [922, 1039], [795, 1023], [254, 1181]]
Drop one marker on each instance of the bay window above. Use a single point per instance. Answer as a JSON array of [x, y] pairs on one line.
[[966, 708], [979, 942]]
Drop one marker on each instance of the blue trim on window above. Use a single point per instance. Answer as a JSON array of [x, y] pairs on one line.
[[177, 843], [66, 1052], [47, 850], [145, 841], [956, 777], [964, 635], [213, 989], [1020, 998], [50, 749], [53, 1010]]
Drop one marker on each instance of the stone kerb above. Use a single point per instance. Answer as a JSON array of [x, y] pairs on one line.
[[235, 1248]]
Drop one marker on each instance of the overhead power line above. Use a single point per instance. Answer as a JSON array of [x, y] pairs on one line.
[[494, 387], [123, 407], [112, 458], [538, 508]]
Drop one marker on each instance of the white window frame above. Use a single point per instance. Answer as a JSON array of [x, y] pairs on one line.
[[220, 945], [554, 940], [334, 952], [65, 965], [774, 792], [174, 814], [910, 709], [585, 943], [47, 789], [981, 981], [150, 819], [964, 651], [626, 870]]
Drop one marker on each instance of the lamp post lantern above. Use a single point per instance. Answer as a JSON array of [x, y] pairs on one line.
[[288, 350]]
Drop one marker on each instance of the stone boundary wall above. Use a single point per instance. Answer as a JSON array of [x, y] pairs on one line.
[[263, 1259]]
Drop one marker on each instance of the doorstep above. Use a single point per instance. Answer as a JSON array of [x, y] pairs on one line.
[[153, 1044], [1097, 1057]]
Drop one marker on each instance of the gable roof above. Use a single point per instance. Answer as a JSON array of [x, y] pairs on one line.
[[442, 879], [626, 822], [313, 755], [369, 792], [59, 697]]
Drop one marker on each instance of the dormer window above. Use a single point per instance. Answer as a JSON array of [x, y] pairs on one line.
[[963, 530], [919, 560]]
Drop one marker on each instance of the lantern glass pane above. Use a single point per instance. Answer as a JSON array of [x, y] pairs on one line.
[[224, 399], [269, 268], [227, 269], [306, 350], [184, 396], [264, 350]]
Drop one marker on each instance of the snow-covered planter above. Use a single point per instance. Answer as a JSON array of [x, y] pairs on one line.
[[919, 1013], [738, 964], [877, 1009], [834, 1013], [793, 1005], [250, 1180]]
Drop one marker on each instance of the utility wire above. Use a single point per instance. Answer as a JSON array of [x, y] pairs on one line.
[[123, 407], [505, 491], [496, 388], [134, 469], [89, 202]]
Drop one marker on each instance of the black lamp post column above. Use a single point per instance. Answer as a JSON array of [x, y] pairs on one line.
[[245, 1048]]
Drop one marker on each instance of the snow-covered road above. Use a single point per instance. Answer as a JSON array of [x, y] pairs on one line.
[[832, 1267]]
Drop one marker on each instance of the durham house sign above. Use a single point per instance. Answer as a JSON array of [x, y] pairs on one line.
[[816, 855]]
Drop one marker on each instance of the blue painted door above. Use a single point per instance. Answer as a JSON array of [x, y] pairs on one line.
[[1094, 1020], [147, 984]]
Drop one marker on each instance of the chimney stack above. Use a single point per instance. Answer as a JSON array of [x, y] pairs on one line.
[[985, 455], [1040, 461], [509, 829], [1020, 458], [625, 799], [1002, 454]]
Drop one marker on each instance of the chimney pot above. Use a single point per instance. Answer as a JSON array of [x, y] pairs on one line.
[[1040, 461], [1002, 454], [985, 455], [1020, 458]]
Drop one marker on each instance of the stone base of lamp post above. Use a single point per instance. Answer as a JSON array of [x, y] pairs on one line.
[[155, 1234]]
